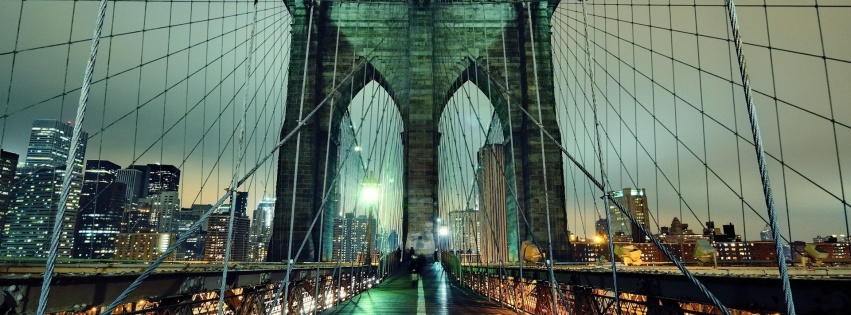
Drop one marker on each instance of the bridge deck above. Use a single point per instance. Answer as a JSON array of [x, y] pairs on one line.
[[435, 293]]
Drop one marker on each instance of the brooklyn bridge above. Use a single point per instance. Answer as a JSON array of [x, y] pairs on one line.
[[424, 157]]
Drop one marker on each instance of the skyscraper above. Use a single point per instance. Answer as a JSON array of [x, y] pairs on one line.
[[8, 166], [138, 218], [102, 207], [163, 178], [217, 231], [241, 209], [134, 180], [464, 229], [50, 142], [493, 244], [634, 201], [193, 247], [145, 176], [765, 234], [32, 212], [165, 206], [349, 237], [261, 229]]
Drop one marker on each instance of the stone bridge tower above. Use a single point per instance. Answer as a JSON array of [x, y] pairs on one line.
[[420, 53]]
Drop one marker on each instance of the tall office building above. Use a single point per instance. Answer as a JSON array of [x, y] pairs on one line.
[[163, 178], [600, 227], [241, 204], [145, 176], [765, 234], [133, 179], [139, 218], [32, 212], [165, 206], [217, 231], [349, 237], [8, 166], [102, 207], [157, 178], [464, 229], [634, 201], [193, 247], [261, 229], [50, 143]]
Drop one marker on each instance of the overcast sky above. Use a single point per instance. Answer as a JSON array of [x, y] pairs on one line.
[[210, 52]]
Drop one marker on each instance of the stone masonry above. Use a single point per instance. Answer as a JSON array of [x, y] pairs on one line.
[[421, 53]]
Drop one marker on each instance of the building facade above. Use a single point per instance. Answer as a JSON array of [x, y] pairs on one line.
[[165, 206], [261, 230], [32, 212], [163, 178], [464, 230], [215, 245], [8, 167], [142, 246], [193, 247], [145, 173], [349, 237], [634, 201], [133, 179], [102, 208], [138, 217]]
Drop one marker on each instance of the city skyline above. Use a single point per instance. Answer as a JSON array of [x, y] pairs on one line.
[[35, 83]]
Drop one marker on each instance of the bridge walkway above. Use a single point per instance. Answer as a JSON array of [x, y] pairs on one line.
[[434, 294]]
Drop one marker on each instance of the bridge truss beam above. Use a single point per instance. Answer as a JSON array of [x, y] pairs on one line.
[[587, 291], [86, 289]]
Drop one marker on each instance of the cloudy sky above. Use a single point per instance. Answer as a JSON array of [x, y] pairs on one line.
[[662, 77]]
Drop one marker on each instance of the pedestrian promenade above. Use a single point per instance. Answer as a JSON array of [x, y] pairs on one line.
[[435, 293]]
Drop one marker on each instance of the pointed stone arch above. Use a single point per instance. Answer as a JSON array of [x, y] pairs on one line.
[[408, 71]]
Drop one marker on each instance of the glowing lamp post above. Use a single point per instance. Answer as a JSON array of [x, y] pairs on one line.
[[442, 233], [370, 198]]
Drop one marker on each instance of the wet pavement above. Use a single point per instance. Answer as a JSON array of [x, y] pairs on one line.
[[435, 293]]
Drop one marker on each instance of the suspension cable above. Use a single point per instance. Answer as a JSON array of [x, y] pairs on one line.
[[70, 161], [603, 178], [234, 194], [551, 260], [625, 211], [760, 155]]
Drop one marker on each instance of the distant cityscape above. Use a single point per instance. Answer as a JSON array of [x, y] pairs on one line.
[[134, 213], [131, 213], [493, 242]]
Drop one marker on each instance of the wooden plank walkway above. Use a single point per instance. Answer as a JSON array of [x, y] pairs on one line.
[[435, 293]]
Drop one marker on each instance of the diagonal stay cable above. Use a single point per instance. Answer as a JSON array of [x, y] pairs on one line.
[[626, 212], [182, 238]]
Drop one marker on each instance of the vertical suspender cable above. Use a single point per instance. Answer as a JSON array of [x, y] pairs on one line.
[[513, 171], [760, 155], [5, 116], [182, 238], [603, 179], [543, 164], [69, 163], [723, 309], [297, 153], [325, 172], [241, 154], [833, 125]]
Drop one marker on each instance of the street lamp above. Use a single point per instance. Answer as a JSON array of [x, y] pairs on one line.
[[369, 194], [442, 232]]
